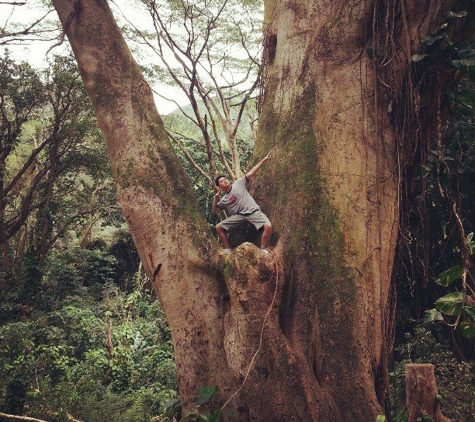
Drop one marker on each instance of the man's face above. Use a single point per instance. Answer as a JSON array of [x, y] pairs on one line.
[[224, 184]]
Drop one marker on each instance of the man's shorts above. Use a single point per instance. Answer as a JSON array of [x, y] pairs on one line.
[[257, 218]]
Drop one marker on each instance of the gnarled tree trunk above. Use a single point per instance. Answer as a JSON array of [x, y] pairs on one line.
[[303, 333]]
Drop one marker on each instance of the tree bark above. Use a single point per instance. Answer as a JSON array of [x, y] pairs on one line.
[[302, 334], [421, 393], [172, 238]]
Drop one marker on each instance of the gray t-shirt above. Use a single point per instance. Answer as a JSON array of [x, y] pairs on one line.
[[238, 200]]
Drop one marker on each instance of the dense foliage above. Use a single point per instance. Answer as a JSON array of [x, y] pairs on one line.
[[428, 343], [86, 348], [82, 335], [434, 273]]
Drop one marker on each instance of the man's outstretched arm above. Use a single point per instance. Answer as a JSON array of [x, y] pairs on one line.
[[251, 173]]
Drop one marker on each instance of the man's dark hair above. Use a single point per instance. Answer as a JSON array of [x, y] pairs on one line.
[[216, 181]]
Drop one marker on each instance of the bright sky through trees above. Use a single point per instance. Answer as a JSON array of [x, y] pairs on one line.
[[39, 48], [44, 40]]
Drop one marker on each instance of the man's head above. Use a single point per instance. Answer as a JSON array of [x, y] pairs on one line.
[[222, 182]]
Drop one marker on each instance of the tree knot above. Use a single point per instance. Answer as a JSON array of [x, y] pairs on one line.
[[251, 276]]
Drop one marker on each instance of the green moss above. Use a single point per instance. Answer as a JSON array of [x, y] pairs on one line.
[[226, 269], [315, 241], [162, 175]]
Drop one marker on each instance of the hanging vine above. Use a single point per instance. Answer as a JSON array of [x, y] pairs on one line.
[[430, 60]]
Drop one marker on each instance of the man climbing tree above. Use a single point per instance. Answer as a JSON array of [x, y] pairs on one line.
[[339, 82], [241, 205]]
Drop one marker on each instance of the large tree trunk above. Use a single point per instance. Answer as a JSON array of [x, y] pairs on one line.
[[339, 234], [301, 334], [172, 238]]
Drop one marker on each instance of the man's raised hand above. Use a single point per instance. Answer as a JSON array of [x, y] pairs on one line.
[[251, 173]]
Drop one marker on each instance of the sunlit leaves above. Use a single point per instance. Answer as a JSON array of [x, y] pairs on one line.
[[450, 304], [457, 304], [446, 278]]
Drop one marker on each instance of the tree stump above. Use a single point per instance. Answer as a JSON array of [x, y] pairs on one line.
[[421, 393]]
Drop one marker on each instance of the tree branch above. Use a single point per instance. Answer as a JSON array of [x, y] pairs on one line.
[[190, 158], [21, 418], [26, 31]]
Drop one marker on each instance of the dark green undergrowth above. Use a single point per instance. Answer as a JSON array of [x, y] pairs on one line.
[[455, 378], [84, 348]]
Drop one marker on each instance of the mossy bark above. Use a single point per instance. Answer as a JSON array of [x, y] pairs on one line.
[[303, 333], [172, 238], [333, 188]]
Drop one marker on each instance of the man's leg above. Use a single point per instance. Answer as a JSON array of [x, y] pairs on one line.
[[227, 226], [223, 237], [266, 235]]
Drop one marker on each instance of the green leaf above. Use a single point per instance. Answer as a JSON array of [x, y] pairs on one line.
[[205, 394], [471, 243], [418, 57], [216, 416], [192, 415], [210, 417], [467, 328], [432, 315], [381, 418], [470, 312], [445, 278], [431, 39], [172, 405], [450, 304]]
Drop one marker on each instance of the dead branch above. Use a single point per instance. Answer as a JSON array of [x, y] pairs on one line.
[[21, 418], [195, 76]]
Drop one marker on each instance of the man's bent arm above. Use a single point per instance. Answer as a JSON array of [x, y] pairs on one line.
[[251, 173], [216, 199]]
